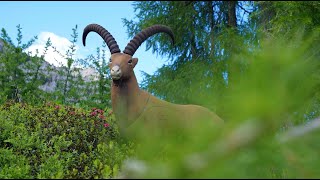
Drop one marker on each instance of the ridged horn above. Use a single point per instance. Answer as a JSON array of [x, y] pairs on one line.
[[139, 38], [106, 36]]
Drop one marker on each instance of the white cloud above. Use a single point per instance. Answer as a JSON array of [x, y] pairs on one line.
[[62, 44]]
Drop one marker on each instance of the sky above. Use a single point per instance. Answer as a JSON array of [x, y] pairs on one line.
[[55, 19]]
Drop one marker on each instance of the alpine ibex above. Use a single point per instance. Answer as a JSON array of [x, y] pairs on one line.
[[130, 104]]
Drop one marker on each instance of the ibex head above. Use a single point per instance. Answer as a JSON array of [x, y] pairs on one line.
[[122, 64]]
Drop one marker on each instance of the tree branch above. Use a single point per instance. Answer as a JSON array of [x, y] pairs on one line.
[[301, 130], [243, 8]]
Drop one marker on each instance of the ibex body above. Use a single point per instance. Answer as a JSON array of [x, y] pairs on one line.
[[130, 104]]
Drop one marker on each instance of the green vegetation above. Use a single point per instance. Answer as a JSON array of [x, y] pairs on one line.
[[277, 90], [56, 141], [256, 64]]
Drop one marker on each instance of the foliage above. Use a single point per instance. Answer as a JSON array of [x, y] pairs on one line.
[[285, 17], [261, 75], [203, 43], [56, 141], [272, 94], [23, 74], [19, 71], [256, 64], [99, 63]]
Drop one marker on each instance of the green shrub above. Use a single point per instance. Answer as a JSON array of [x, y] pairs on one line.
[[273, 96], [55, 141]]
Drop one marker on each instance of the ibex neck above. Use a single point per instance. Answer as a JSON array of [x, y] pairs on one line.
[[128, 101]]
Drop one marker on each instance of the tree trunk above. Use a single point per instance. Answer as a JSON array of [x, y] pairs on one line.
[[193, 45], [66, 86], [211, 21], [232, 18], [267, 13]]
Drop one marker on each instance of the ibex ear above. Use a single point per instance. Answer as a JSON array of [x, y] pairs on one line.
[[134, 62]]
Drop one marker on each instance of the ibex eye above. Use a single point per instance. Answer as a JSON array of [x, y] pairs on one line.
[[110, 60], [130, 61]]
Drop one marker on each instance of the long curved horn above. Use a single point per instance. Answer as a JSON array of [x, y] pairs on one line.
[[106, 36], [138, 39]]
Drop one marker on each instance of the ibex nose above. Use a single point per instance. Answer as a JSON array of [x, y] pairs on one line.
[[115, 72]]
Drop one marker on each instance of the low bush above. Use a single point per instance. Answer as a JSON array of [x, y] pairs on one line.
[[56, 141]]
